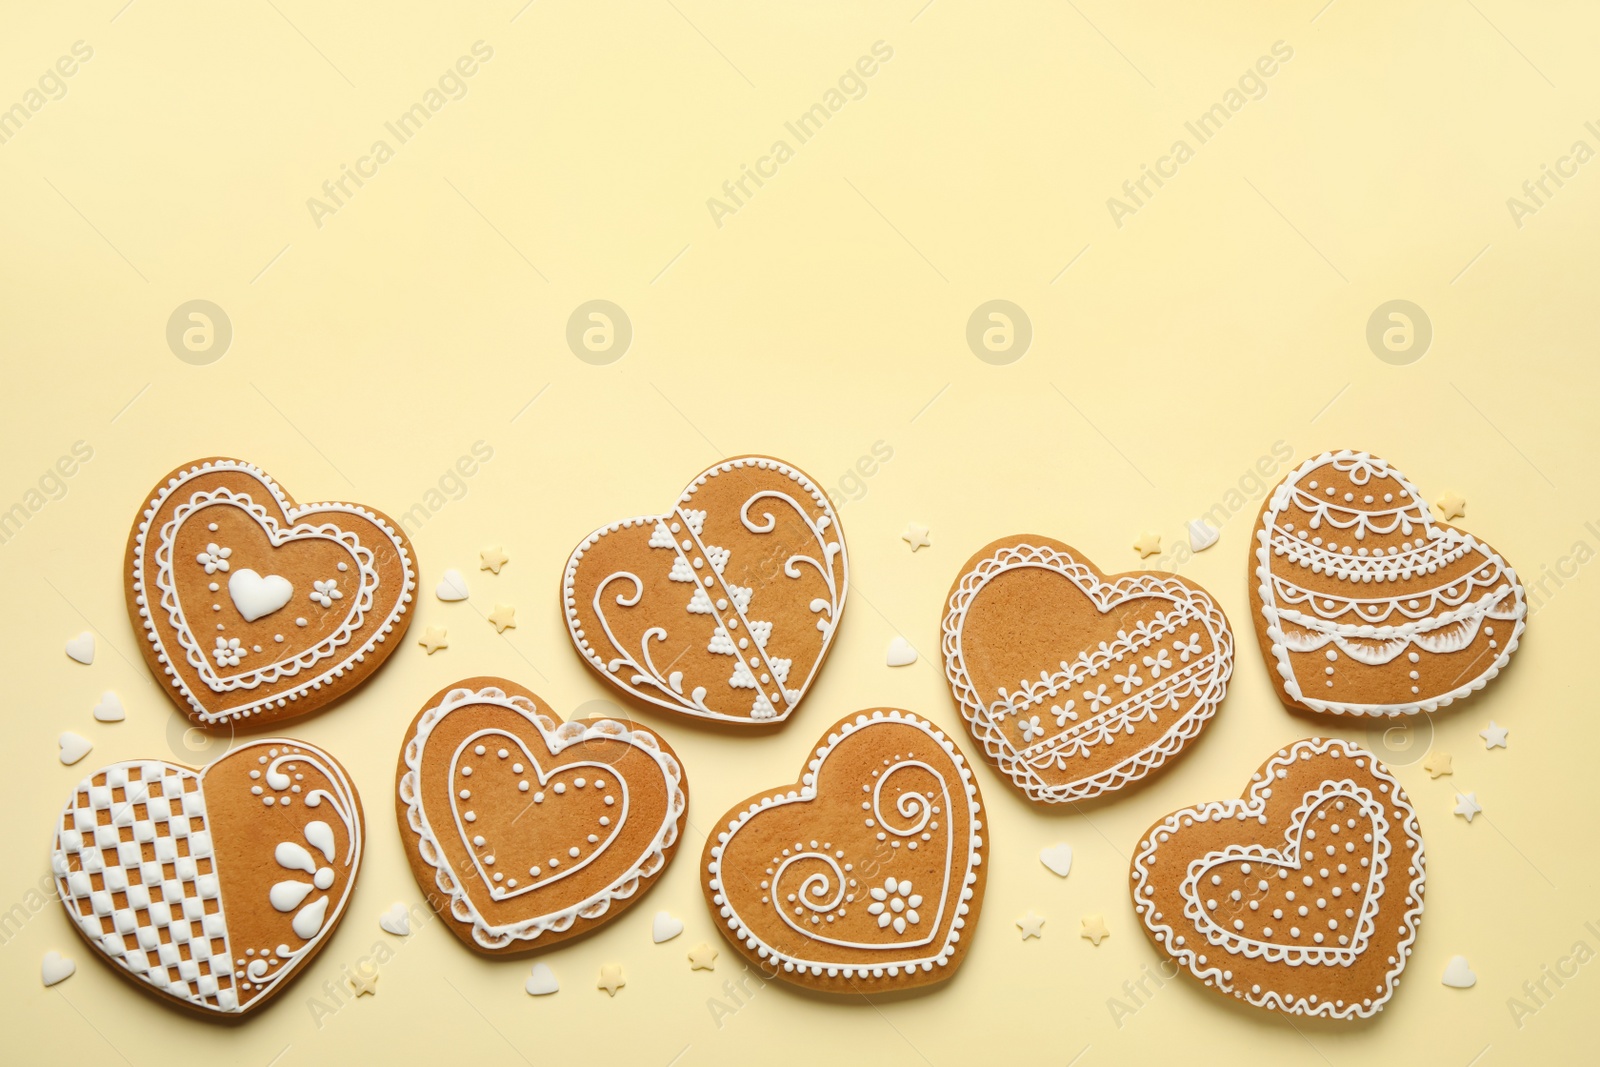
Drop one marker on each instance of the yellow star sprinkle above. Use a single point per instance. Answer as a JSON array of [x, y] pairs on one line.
[[1094, 928], [703, 958], [1437, 763], [493, 559], [1148, 545], [503, 617], [916, 536], [1451, 506], [611, 978], [364, 985], [434, 639], [1031, 925]]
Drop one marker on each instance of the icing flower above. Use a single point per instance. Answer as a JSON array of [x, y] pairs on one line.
[[1097, 698], [228, 652], [1031, 729], [894, 903], [214, 559], [325, 593], [1159, 663], [1129, 680], [289, 894], [1065, 712], [1186, 650]]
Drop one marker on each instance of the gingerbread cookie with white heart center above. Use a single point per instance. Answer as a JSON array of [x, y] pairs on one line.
[[523, 830], [1302, 897], [866, 876], [211, 888], [723, 607], [251, 608], [1365, 604], [1077, 683]]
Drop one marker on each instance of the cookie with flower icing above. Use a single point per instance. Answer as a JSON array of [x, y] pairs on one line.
[[1365, 604], [211, 888], [1077, 683], [524, 830], [866, 875], [1304, 896], [251, 608], [724, 606]]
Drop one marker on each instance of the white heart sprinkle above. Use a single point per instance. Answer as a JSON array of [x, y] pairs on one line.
[[542, 982], [452, 586], [56, 968], [397, 920], [110, 708], [1201, 535], [1058, 858], [256, 596], [81, 648], [1458, 974], [901, 654], [665, 927], [73, 747]]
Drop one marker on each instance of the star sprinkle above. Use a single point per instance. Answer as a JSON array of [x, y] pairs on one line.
[[493, 559], [1494, 736], [1467, 805], [1148, 545], [434, 639], [702, 958], [1031, 925], [1437, 763], [1451, 506], [916, 536], [364, 985], [504, 618], [611, 978], [1094, 928]]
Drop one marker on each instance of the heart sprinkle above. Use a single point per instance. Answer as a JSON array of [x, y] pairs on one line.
[[57, 968], [109, 709], [73, 747], [81, 648]]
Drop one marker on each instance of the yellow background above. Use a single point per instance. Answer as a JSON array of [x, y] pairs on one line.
[[827, 314]]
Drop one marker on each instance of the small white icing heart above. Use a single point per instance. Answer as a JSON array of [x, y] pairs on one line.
[[110, 708], [255, 596], [1458, 974], [901, 654], [56, 968], [1058, 858], [665, 927], [397, 920], [452, 586], [81, 648], [542, 982], [1201, 535], [73, 747]]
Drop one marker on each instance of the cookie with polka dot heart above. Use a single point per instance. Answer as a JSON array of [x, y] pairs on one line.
[[1303, 897], [867, 875], [1365, 604], [251, 608], [721, 608], [523, 830], [211, 888]]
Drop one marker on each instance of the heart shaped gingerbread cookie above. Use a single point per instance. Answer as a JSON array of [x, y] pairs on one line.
[[211, 888], [523, 830], [1074, 682], [1367, 605], [722, 608], [252, 608], [867, 875], [1302, 897]]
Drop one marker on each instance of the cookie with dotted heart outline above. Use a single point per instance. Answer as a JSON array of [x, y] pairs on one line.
[[1367, 605], [867, 876], [722, 608], [523, 830], [211, 888], [1304, 897], [251, 608]]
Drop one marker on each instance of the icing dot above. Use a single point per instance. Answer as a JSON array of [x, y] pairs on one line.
[[579, 782], [522, 786], [479, 750], [573, 851], [299, 622], [561, 787], [502, 753], [610, 800]]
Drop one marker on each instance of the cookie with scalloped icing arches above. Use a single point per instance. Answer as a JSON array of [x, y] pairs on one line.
[[1365, 603], [1304, 896]]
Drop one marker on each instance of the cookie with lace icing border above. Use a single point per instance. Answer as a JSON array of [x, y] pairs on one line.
[[722, 608], [251, 608], [1366, 604], [211, 888], [865, 876], [523, 830], [1074, 682], [1303, 897]]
